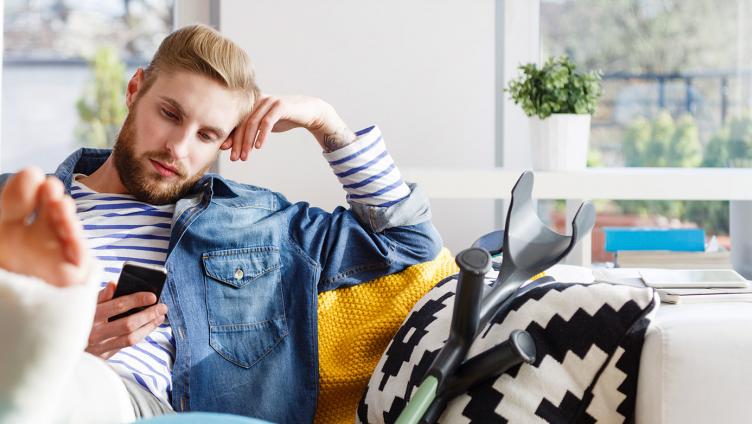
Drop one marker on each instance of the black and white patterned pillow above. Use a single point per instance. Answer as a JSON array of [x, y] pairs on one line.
[[588, 339]]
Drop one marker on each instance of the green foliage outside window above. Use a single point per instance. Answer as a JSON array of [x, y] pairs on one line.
[[556, 87], [101, 108], [732, 146], [663, 142]]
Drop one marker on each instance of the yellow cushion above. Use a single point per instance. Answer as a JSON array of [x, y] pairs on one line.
[[355, 326]]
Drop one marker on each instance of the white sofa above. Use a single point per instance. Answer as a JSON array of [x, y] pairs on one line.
[[696, 365]]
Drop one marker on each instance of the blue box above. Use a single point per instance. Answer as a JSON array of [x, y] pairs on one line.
[[674, 239]]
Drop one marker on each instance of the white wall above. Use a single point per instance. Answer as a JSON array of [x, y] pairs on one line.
[[188, 12], [423, 70]]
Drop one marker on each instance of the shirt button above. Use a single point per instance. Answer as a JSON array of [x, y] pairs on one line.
[[238, 274]]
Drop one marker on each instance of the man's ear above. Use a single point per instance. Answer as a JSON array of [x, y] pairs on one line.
[[134, 85]]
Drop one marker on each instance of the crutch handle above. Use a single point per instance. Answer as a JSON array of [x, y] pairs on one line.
[[474, 263], [490, 364]]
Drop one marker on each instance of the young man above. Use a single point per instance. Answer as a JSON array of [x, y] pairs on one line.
[[236, 329]]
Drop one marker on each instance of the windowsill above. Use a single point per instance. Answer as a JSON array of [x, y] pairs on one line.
[[591, 183]]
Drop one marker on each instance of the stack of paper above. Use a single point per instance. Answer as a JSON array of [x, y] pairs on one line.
[[683, 285], [673, 260], [705, 295]]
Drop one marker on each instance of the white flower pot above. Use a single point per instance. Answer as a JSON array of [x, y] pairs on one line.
[[560, 142]]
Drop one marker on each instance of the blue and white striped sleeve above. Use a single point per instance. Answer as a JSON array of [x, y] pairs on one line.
[[367, 171]]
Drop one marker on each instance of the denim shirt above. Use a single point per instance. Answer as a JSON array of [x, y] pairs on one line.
[[245, 267]]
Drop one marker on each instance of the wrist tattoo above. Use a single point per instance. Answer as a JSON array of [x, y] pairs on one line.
[[338, 139]]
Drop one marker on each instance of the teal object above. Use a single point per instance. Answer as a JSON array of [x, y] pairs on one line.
[[674, 239], [201, 418]]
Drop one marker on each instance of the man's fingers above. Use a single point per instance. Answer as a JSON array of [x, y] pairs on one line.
[[106, 293], [267, 124], [111, 346], [249, 135], [231, 138], [255, 116], [123, 304], [237, 143], [137, 335], [126, 325], [238, 140], [234, 135]]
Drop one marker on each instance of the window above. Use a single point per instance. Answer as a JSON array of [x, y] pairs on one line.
[[677, 91], [47, 70]]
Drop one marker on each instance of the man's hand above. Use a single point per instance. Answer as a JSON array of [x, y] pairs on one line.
[[279, 114], [107, 338]]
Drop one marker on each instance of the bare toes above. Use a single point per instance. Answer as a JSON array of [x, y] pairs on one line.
[[19, 197], [50, 191], [70, 232], [51, 208], [58, 216]]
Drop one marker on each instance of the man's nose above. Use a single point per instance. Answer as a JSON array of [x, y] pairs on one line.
[[179, 142]]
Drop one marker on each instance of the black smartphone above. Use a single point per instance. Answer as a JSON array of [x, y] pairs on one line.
[[136, 277]]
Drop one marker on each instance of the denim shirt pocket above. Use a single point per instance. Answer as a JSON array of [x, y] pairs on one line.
[[245, 303]]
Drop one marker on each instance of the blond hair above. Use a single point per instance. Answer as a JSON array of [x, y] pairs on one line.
[[201, 49]]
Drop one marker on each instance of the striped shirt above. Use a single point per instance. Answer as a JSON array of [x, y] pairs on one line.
[[367, 172], [119, 228]]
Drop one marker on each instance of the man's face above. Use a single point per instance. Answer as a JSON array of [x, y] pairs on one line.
[[172, 134]]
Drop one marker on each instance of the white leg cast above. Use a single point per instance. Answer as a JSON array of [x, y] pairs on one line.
[[45, 375]]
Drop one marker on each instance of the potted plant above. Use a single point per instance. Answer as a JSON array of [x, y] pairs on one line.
[[559, 101]]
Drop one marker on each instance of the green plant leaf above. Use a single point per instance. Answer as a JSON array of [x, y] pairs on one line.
[[555, 88]]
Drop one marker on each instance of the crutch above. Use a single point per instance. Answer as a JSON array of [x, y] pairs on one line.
[[528, 248]]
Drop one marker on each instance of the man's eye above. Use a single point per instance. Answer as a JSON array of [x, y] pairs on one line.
[[169, 114]]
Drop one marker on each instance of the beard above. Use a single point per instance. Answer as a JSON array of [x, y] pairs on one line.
[[138, 174]]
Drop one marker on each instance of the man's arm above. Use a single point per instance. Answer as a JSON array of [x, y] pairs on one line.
[[283, 113], [387, 227]]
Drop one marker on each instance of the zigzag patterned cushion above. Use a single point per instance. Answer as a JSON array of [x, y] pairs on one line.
[[588, 339]]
